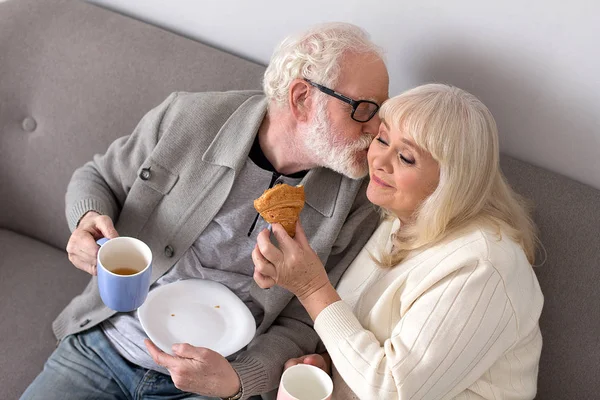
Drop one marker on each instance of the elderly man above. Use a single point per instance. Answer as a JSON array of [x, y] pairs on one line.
[[184, 182]]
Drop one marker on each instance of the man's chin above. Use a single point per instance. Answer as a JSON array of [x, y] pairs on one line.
[[356, 171], [359, 168], [355, 168]]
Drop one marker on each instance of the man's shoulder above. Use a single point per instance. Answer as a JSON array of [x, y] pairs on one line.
[[190, 101], [230, 95], [188, 113]]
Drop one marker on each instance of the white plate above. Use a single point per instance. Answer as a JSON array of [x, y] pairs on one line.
[[199, 312]]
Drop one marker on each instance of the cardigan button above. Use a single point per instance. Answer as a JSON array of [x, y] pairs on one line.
[[145, 174], [169, 251]]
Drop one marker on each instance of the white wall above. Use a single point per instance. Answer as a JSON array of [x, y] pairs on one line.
[[536, 64]]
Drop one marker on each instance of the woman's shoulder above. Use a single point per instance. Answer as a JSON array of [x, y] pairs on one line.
[[493, 252], [495, 246], [475, 244], [502, 255], [491, 248], [488, 243]]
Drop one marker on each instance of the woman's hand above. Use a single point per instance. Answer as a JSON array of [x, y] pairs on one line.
[[294, 265], [322, 361]]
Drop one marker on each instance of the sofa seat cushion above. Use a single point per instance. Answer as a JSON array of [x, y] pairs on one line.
[[37, 282]]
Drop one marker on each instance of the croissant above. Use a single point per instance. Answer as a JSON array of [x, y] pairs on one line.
[[281, 204]]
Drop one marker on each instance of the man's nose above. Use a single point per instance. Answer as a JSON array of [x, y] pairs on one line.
[[371, 127]]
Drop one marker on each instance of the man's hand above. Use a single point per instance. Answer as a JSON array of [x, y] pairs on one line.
[[322, 361], [82, 247], [197, 370]]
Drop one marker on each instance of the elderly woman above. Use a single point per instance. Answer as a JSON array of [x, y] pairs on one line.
[[442, 302]]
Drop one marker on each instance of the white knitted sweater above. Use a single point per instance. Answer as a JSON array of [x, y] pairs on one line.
[[458, 320]]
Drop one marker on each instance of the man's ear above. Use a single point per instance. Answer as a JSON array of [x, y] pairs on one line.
[[300, 99]]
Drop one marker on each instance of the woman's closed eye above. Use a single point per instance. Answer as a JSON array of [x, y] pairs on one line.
[[380, 140], [402, 158], [405, 159]]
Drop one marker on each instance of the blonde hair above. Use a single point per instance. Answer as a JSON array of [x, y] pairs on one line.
[[460, 133], [316, 55]]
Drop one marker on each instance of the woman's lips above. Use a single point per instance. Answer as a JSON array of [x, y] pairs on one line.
[[379, 182]]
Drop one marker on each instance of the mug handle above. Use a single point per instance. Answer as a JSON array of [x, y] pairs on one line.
[[101, 241]]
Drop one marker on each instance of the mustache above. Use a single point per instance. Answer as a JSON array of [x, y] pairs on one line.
[[363, 142]]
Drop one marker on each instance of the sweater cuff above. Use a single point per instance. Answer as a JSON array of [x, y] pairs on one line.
[[336, 323], [253, 376], [79, 209]]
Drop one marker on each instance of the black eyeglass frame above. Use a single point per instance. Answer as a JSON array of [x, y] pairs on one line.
[[346, 99]]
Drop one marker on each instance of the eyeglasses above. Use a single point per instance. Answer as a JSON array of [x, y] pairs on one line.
[[362, 110]]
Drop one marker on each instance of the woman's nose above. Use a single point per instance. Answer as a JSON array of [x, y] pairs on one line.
[[382, 162]]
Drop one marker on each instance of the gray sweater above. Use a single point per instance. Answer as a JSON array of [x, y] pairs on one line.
[[191, 148]]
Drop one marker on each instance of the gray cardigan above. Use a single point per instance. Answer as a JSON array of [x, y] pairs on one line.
[[191, 147]]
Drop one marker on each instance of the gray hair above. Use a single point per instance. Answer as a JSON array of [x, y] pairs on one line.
[[314, 54]]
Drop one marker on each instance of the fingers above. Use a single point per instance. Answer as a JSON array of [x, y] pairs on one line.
[[265, 273], [159, 356], [291, 362], [262, 265], [301, 235], [82, 250], [201, 370], [83, 244], [312, 359], [83, 265], [186, 350], [105, 225], [88, 216], [286, 243], [82, 247], [263, 282], [316, 360], [267, 249], [284, 240]]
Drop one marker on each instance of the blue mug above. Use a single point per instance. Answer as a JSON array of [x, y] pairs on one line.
[[124, 270]]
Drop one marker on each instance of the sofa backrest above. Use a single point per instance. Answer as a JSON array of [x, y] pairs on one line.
[[74, 77], [568, 216]]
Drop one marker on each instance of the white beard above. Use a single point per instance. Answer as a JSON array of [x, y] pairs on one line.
[[330, 149]]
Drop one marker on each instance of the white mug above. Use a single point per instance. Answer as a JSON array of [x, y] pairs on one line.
[[305, 382]]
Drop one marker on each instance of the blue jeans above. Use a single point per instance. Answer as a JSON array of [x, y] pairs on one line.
[[86, 366]]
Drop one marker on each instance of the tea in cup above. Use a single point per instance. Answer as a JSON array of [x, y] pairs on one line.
[[124, 267]]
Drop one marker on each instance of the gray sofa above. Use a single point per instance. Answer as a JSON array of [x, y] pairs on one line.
[[74, 77]]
